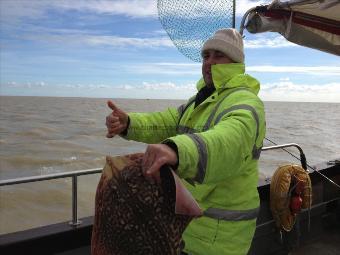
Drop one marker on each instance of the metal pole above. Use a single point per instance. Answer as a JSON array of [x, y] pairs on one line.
[[49, 176], [282, 146], [234, 14], [74, 174], [75, 221]]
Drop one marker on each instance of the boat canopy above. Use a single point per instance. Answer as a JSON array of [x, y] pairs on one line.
[[311, 23]]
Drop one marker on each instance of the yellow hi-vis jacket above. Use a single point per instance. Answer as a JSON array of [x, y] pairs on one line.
[[219, 144]]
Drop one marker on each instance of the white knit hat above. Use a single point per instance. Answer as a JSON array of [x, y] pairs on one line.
[[229, 41]]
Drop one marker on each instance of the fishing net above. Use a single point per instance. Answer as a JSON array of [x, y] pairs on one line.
[[190, 22]]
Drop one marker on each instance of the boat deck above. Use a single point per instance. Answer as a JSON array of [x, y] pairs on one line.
[[323, 238], [86, 250], [327, 244]]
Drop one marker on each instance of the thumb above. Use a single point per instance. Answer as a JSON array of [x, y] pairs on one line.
[[112, 105]]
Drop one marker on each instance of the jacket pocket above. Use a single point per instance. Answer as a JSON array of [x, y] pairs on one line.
[[204, 229]]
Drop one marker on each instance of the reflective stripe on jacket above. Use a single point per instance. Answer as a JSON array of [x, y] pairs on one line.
[[218, 146]]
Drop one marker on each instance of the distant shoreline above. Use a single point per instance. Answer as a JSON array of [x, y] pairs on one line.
[[105, 98], [153, 99]]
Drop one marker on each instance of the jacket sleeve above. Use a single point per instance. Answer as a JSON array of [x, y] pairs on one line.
[[218, 153], [152, 127]]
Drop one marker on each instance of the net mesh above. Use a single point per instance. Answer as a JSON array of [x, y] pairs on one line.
[[190, 22]]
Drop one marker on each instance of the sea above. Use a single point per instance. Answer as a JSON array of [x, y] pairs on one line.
[[46, 135]]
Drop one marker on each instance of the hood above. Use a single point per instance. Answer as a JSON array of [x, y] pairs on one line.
[[227, 76]]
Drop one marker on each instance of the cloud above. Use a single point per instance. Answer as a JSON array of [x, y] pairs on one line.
[[130, 8], [244, 5], [161, 86], [284, 79], [282, 90], [145, 85], [128, 41], [99, 40], [195, 69], [157, 39], [197, 9], [35, 9], [16, 9], [177, 69], [39, 9], [267, 41], [146, 89], [310, 70], [286, 90], [29, 85], [148, 8]]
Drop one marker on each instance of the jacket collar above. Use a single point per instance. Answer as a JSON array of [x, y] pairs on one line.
[[230, 76]]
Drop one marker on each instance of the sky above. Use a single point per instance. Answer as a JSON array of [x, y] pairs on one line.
[[119, 49]]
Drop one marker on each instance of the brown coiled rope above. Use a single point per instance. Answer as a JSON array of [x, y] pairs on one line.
[[280, 194]]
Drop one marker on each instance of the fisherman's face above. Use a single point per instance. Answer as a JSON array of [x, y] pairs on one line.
[[212, 57]]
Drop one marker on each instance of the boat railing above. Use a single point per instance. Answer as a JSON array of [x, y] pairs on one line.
[[74, 175], [283, 146]]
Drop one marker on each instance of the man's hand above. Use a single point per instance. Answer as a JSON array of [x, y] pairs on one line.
[[155, 156], [117, 121]]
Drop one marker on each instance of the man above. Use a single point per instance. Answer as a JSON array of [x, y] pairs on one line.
[[213, 142]]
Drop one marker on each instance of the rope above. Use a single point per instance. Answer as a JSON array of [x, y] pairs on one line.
[[283, 191]]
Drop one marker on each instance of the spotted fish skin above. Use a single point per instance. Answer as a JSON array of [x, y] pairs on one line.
[[133, 215]]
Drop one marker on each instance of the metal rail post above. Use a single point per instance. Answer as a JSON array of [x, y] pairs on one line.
[[75, 222]]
